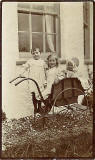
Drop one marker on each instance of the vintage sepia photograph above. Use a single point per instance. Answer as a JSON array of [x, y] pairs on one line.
[[47, 80]]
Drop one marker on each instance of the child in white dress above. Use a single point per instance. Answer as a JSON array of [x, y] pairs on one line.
[[54, 74], [36, 69]]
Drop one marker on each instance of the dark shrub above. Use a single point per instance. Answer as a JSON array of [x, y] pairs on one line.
[[4, 116]]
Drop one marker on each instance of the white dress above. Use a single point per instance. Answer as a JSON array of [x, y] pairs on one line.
[[52, 74], [83, 80], [36, 71], [84, 83]]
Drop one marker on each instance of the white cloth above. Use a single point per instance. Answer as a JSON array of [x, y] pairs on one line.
[[77, 74], [52, 74], [36, 71], [80, 99], [83, 80], [49, 29]]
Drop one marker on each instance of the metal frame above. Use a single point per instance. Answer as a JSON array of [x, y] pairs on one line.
[[68, 107], [67, 104]]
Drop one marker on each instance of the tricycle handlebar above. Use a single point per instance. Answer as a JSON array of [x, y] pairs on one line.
[[15, 79], [34, 82], [42, 99]]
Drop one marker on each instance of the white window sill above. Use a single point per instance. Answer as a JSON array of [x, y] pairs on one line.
[[21, 61], [24, 56]]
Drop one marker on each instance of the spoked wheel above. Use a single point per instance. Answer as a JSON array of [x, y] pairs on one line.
[[72, 112], [88, 116]]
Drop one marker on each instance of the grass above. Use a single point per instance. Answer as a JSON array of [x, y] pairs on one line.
[[54, 136]]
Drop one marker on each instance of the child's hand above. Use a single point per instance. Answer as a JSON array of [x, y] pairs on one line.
[[26, 69], [45, 84], [56, 81]]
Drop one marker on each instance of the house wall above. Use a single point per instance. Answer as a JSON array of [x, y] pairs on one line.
[[71, 17], [72, 36], [16, 101]]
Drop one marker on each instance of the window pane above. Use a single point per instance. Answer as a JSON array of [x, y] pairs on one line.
[[24, 5], [37, 41], [37, 23], [52, 7], [50, 24], [24, 42], [23, 21], [50, 43], [38, 6]]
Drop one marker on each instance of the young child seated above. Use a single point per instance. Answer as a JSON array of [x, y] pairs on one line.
[[72, 67]]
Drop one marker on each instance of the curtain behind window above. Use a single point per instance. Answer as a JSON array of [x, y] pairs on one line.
[[50, 29]]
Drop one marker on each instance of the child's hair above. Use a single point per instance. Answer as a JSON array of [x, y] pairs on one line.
[[33, 50], [76, 61], [50, 56]]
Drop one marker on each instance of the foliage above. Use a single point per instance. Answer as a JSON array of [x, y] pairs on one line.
[[53, 136], [4, 116]]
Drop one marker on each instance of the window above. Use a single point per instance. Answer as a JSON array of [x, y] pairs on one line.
[[23, 32], [88, 16], [38, 27]]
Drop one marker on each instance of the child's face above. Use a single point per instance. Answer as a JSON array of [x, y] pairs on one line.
[[70, 66], [36, 54], [52, 62]]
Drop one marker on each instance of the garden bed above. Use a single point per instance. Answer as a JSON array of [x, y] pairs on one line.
[[53, 136]]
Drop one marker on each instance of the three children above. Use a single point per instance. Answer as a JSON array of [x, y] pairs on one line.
[[36, 68]]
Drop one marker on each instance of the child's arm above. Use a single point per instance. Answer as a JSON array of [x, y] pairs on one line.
[[25, 67], [45, 70], [50, 81], [61, 75]]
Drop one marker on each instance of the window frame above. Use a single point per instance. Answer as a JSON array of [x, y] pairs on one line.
[[86, 26], [31, 11]]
